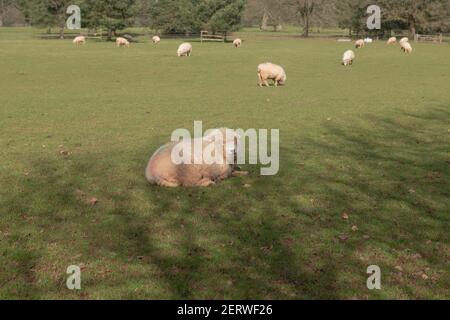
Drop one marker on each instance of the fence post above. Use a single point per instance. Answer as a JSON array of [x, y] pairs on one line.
[[440, 38]]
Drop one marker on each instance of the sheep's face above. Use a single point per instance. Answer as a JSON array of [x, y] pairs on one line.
[[229, 139], [283, 80]]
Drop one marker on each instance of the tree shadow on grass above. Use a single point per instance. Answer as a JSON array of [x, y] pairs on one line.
[[281, 238]]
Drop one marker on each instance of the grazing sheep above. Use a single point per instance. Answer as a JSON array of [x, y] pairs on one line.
[[184, 50], [359, 44], [405, 39], [348, 58], [271, 71], [80, 40], [392, 40], [162, 170], [406, 47], [122, 42], [237, 43], [156, 39]]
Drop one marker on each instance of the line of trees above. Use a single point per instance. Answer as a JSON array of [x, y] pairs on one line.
[[412, 15], [190, 16], [186, 16]]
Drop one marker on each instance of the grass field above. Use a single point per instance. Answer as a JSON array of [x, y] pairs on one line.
[[369, 142]]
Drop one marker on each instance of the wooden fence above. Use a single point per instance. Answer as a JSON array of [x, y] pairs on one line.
[[428, 38], [218, 37]]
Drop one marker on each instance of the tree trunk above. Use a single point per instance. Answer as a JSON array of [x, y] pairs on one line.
[[307, 12], [412, 28], [412, 31], [264, 20], [2, 12], [306, 28]]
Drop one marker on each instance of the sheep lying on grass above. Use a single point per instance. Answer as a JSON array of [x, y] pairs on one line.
[[80, 40], [237, 43], [122, 42], [156, 39], [348, 58], [273, 72], [184, 50], [162, 170]]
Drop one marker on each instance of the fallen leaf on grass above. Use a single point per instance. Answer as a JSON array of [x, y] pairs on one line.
[[175, 270], [93, 201], [288, 242], [267, 249]]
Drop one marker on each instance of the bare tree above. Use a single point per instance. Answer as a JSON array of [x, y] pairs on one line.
[[311, 12]]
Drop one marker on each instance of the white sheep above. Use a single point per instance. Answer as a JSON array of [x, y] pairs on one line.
[[195, 170], [392, 40], [405, 39], [406, 47], [122, 42], [237, 43], [156, 39], [273, 72], [359, 44], [184, 50], [348, 58], [80, 40]]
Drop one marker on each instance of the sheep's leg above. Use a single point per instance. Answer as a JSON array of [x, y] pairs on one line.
[[205, 182], [239, 173], [260, 80], [266, 83], [169, 184]]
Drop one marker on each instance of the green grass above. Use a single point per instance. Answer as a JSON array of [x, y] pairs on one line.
[[371, 141]]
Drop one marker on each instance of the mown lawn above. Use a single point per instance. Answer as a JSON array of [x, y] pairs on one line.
[[370, 143]]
